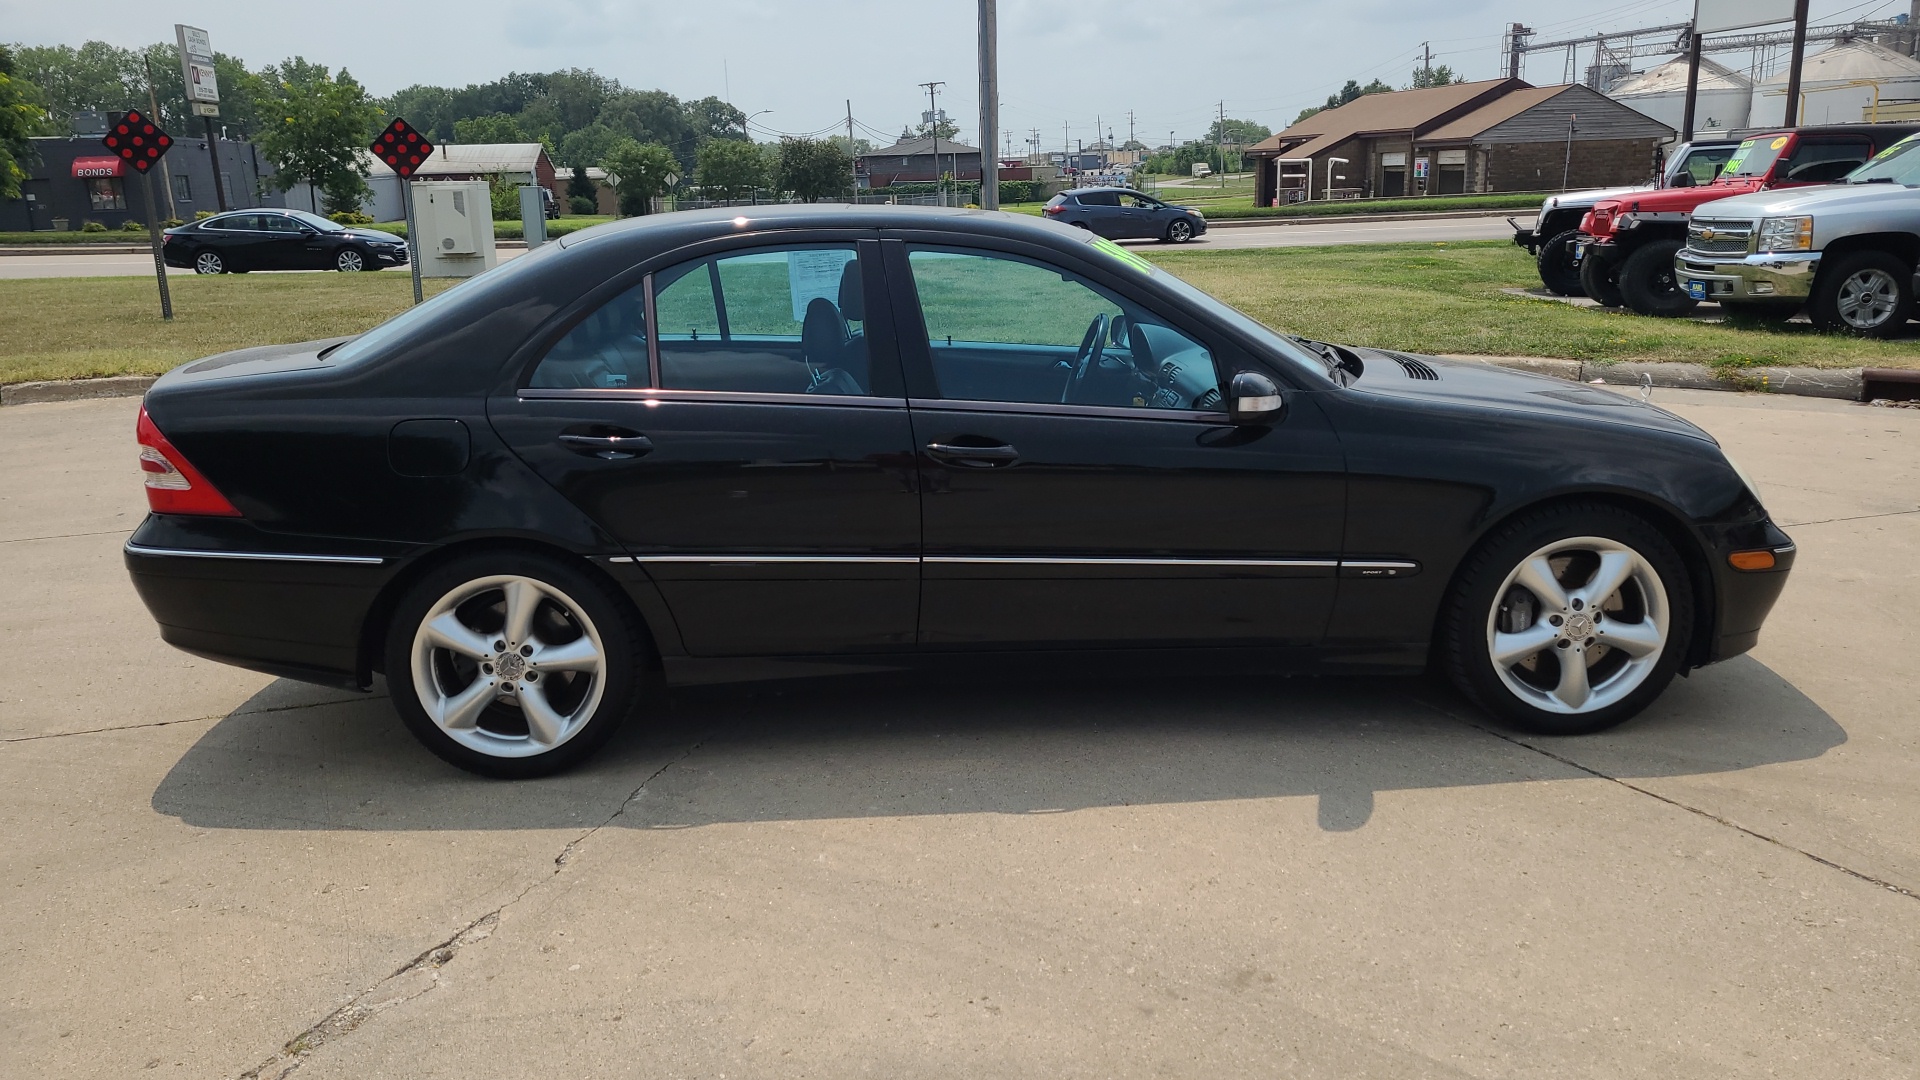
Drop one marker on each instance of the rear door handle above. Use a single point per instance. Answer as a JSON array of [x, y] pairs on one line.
[[610, 447], [975, 456]]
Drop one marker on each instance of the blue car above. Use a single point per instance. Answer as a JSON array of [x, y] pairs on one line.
[[1125, 214]]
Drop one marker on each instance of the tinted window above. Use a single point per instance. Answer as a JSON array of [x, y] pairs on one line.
[[1139, 202], [1099, 198], [606, 351], [779, 321], [278, 223], [1823, 162], [1002, 328], [232, 221]]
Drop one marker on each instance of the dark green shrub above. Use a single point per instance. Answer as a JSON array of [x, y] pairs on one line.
[[131, 225], [580, 206], [350, 217], [92, 226], [202, 215]]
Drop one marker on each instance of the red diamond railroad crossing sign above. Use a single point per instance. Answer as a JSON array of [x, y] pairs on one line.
[[138, 140], [401, 147]]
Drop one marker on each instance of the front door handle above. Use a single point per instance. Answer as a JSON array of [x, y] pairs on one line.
[[609, 447], [974, 456]]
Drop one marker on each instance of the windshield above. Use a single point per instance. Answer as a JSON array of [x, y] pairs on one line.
[[316, 221], [1897, 164], [1755, 157], [1703, 164], [1226, 313]]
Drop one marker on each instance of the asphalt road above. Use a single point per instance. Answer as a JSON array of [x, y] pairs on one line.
[[1376, 232], [208, 871]]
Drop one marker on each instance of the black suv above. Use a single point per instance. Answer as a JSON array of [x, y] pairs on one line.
[[1125, 214]]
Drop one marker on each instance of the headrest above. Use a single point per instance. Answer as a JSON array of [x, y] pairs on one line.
[[853, 301]]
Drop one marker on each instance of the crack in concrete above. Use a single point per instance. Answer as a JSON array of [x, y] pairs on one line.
[[193, 720], [1838, 520], [1689, 808], [66, 536], [421, 975]]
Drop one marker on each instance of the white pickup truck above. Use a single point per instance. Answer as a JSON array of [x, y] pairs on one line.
[[1846, 252]]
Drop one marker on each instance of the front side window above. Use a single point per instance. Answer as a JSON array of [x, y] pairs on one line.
[[1704, 165], [787, 320], [1005, 328], [105, 193], [1140, 202], [278, 223], [1824, 162]]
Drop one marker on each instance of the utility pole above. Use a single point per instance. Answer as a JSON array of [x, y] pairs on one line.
[[1221, 143], [989, 105], [1130, 137], [1426, 66], [1693, 85], [166, 175], [933, 122], [1799, 62], [851, 156]]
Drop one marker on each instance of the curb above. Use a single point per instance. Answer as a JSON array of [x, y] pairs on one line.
[[34, 393], [1352, 219], [1840, 384]]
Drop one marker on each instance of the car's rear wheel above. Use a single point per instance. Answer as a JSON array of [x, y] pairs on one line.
[[209, 262], [350, 261], [1869, 293], [1600, 280], [512, 664], [1180, 231], [1558, 272], [1569, 620], [1649, 283]]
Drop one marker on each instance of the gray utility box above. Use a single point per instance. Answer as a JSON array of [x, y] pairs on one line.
[[454, 222]]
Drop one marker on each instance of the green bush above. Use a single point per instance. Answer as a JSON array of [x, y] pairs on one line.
[[350, 217], [172, 223], [92, 226], [581, 206], [202, 215], [131, 225], [1017, 191]]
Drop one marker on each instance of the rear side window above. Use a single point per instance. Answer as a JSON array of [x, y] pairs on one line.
[[786, 320], [606, 351], [1099, 198]]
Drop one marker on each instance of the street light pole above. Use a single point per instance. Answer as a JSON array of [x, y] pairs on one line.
[[989, 107]]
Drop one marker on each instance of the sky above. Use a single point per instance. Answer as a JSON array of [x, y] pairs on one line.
[[1165, 66]]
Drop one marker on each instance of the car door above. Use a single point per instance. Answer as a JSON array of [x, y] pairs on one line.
[[284, 245], [1080, 501], [737, 422], [1140, 217], [1102, 213], [238, 238]]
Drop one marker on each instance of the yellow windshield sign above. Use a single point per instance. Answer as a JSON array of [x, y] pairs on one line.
[[1107, 246]]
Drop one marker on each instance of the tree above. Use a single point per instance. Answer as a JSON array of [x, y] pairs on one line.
[[730, 166], [859, 147], [20, 114], [652, 116], [589, 146], [580, 187], [497, 128], [814, 169], [1237, 132], [949, 131], [323, 124], [711, 118], [98, 77], [1424, 77], [1349, 93], [641, 172]]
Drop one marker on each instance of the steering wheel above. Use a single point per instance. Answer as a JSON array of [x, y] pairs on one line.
[[1092, 346]]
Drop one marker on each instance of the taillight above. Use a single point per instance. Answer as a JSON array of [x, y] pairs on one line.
[[1050, 210], [174, 486]]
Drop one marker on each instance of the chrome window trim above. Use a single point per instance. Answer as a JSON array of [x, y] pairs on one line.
[[707, 397], [1041, 408], [252, 556]]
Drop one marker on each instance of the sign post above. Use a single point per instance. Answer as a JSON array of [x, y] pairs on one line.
[[203, 93], [403, 149], [140, 143]]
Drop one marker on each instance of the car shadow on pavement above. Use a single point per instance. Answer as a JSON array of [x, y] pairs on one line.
[[882, 748]]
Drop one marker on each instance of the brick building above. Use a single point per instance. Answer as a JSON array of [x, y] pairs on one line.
[[1497, 135], [917, 161]]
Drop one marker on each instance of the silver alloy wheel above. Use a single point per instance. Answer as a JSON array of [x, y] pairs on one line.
[[1180, 232], [1868, 299], [1578, 625], [508, 666], [350, 262], [208, 262]]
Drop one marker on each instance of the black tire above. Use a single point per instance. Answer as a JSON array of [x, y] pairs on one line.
[[1557, 270], [208, 261], [1757, 311], [1883, 315], [1180, 231], [353, 260], [1649, 283], [623, 666], [1475, 602], [1600, 281]]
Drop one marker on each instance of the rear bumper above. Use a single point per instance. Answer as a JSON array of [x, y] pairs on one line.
[[1753, 278], [299, 615]]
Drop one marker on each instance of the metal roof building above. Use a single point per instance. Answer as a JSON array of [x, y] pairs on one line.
[[1840, 85], [1725, 98]]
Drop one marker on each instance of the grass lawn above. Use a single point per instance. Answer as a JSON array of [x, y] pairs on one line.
[[1446, 298], [1436, 298]]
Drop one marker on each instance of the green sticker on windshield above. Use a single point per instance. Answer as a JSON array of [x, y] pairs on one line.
[[1101, 243], [1739, 158], [1897, 148]]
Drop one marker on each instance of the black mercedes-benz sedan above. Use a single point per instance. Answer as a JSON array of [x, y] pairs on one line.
[[809, 439], [273, 239]]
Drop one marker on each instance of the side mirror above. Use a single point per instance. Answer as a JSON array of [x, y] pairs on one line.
[[1685, 179], [1254, 399]]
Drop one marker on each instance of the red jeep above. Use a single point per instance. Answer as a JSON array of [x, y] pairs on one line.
[[1627, 245]]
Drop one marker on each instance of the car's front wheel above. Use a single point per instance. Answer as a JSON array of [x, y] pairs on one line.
[[1569, 620], [209, 262], [1558, 272], [1180, 231], [1649, 283], [1600, 280], [512, 664], [350, 261], [1869, 293]]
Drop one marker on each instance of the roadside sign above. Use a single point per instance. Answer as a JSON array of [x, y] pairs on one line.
[[137, 140], [201, 108], [196, 64], [401, 147]]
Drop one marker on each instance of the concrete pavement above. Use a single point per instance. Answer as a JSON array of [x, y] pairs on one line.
[[210, 872], [1371, 232]]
